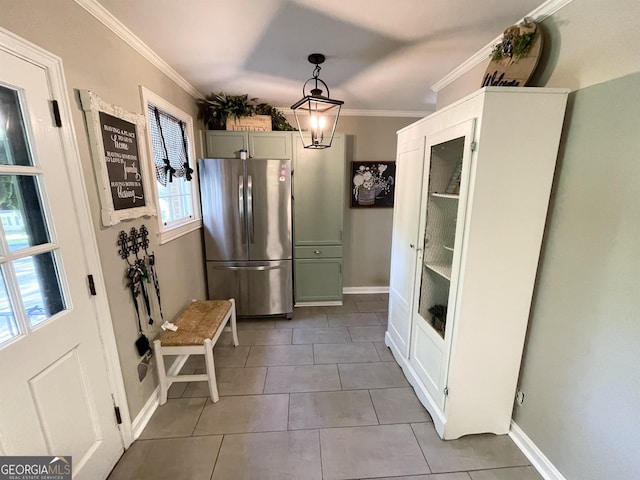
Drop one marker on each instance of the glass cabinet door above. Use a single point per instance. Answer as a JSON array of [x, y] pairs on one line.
[[443, 211], [445, 172], [445, 182]]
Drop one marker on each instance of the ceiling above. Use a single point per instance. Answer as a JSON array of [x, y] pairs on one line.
[[381, 54]]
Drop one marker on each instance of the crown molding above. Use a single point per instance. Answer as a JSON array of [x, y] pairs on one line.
[[117, 27], [352, 112], [544, 11]]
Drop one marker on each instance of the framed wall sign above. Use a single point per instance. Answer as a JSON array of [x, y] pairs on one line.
[[372, 184], [118, 148]]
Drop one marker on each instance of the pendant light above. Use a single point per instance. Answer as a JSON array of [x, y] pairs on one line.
[[315, 112]]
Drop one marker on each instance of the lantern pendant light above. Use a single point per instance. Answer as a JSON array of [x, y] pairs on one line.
[[315, 112]]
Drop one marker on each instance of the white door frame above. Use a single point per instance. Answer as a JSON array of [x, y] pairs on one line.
[[13, 44]]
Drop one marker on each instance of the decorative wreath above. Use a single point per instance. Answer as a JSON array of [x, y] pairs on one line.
[[516, 42]]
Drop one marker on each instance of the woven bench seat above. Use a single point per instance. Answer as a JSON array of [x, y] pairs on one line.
[[199, 328]]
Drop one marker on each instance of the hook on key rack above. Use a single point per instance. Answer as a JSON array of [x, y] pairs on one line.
[[138, 273]]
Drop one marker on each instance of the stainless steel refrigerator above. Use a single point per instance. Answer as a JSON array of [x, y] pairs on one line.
[[246, 211]]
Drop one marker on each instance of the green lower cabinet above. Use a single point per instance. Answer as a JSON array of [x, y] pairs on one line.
[[318, 280]]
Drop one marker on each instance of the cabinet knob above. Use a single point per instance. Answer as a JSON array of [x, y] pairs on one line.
[[411, 245], [317, 252]]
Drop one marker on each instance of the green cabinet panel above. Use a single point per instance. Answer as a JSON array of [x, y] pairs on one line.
[[227, 144], [318, 192], [223, 144], [318, 280], [270, 144]]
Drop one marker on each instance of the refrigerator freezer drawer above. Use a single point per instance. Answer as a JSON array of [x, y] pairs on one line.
[[260, 288]]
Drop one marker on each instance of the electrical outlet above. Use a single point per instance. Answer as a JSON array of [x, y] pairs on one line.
[[519, 397]]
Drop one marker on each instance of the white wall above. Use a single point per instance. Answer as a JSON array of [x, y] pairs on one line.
[[579, 372]]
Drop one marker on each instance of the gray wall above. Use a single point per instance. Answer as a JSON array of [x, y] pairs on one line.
[[367, 254], [579, 371], [367, 232], [96, 59]]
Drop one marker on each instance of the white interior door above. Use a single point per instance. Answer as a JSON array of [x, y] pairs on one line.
[[55, 394]]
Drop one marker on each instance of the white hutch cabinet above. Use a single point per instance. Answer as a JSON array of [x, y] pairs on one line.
[[473, 186]]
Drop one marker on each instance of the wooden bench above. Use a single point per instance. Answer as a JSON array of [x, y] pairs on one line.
[[199, 328]]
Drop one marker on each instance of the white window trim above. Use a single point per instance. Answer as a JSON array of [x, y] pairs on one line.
[[167, 233]]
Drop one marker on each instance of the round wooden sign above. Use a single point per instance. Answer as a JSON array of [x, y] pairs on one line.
[[514, 60]]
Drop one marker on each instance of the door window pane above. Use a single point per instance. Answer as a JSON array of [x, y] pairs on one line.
[[21, 212], [14, 148], [8, 326], [39, 287]]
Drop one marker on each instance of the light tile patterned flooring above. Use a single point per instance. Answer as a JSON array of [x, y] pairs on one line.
[[316, 397]]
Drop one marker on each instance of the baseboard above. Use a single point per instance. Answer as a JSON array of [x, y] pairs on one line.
[[538, 459], [318, 304], [142, 419], [364, 290]]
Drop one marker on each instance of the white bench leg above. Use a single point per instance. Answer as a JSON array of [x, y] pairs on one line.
[[162, 374], [234, 330], [211, 370]]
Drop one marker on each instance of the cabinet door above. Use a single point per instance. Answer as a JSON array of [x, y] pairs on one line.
[[270, 145], [223, 144], [406, 216], [318, 192], [442, 212], [318, 280]]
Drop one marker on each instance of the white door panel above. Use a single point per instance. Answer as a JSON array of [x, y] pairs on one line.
[[56, 398], [409, 165]]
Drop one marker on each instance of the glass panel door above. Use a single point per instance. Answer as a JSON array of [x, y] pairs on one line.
[[30, 287], [445, 171], [442, 216]]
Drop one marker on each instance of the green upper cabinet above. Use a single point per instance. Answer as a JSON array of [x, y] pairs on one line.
[[223, 144], [270, 144], [318, 192], [227, 144]]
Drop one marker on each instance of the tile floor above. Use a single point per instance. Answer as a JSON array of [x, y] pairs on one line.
[[316, 397]]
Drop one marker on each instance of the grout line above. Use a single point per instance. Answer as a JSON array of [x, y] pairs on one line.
[[288, 412], [339, 377], [264, 384], [248, 354], [243, 433], [320, 450], [168, 437], [215, 463], [420, 446], [377, 352], [199, 416], [374, 407]]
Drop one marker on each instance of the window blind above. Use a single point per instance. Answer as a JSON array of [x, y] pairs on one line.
[[170, 146]]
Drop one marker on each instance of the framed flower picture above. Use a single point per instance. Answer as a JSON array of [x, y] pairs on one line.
[[372, 184]]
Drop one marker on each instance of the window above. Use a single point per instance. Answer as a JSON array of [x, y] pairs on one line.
[[172, 148], [31, 289]]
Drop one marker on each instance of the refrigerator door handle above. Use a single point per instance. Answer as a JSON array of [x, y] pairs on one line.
[[241, 207], [261, 268], [250, 207]]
